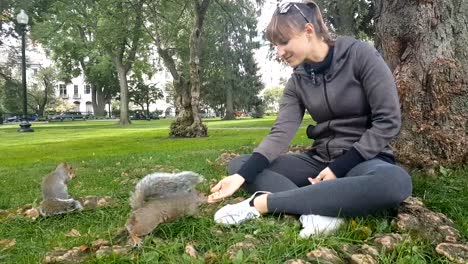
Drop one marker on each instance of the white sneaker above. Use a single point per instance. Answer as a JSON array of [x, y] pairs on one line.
[[319, 224], [233, 214]]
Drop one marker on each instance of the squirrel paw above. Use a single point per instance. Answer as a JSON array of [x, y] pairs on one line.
[[136, 241]]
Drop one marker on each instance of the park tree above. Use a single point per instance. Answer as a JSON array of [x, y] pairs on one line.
[[354, 18], [425, 43], [172, 25], [272, 97], [10, 93], [43, 94], [104, 81], [230, 71], [121, 35], [68, 30], [143, 94], [10, 86]]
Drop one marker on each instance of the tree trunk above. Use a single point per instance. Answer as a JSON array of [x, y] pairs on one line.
[[122, 72], [198, 129], [425, 43], [98, 99], [188, 122], [47, 89], [147, 110], [180, 127], [229, 104]]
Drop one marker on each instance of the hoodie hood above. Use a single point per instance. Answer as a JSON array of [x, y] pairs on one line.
[[340, 51]]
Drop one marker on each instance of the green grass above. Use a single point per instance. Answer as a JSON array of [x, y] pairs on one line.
[[107, 155]]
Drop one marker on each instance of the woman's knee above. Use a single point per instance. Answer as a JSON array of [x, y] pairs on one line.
[[400, 186], [236, 163]]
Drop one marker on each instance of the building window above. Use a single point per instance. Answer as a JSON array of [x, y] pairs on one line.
[[62, 89], [75, 89], [77, 106], [87, 89], [89, 108], [35, 71]]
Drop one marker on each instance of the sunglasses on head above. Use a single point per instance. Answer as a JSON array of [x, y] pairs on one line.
[[284, 7]]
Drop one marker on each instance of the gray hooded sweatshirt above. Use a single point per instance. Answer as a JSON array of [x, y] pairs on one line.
[[355, 105]]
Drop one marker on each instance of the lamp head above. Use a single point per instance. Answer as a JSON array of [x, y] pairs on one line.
[[22, 18]]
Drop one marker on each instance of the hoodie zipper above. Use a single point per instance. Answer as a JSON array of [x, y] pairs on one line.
[[332, 113]]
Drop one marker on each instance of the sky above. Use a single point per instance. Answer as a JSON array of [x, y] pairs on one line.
[[270, 70]]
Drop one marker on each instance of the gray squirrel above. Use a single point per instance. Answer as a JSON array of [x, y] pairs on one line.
[[162, 197], [55, 197]]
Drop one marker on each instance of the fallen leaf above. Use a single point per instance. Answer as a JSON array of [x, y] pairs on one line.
[[84, 247], [191, 251], [32, 213], [6, 243], [73, 233], [99, 243], [118, 163], [124, 174]]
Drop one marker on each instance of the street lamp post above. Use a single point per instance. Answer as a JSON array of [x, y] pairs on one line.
[[23, 19]]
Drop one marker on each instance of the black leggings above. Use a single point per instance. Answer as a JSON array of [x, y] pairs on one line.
[[369, 187]]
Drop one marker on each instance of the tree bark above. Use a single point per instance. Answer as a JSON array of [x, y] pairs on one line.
[[229, 103], [180, 126], [47, 88], [188, 122], [425, 43], [122, 73], [198, 129], [98, 99]]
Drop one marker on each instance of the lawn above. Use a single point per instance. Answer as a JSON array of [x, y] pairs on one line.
[[106, 156]]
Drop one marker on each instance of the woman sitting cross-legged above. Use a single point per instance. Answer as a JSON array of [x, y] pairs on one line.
[[350, 92]]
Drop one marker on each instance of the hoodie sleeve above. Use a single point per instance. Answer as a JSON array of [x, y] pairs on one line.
[[288, 121], [380, 88]]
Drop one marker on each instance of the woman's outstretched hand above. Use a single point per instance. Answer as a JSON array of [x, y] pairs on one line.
[[225, 188], [325, 175]]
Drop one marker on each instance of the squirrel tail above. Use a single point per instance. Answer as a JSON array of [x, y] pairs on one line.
[[59, 206], [162, 185]]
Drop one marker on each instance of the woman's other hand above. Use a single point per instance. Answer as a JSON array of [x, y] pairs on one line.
[[225, 188], [325, 175]]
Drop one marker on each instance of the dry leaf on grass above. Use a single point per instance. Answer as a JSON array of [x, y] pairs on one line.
[[7, 243], [211, 257], [324, 255], [73, 233], [99, 243], [32, 213], [74, 255], [296, 261], [191, 251]]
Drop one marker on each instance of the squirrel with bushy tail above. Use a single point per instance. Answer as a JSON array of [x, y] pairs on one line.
[[162, 197], [55, 197]]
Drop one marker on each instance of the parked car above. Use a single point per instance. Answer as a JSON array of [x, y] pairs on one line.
[[17, 118], [142, 116], [68, 116]]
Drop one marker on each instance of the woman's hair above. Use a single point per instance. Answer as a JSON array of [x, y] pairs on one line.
[[283, 26]]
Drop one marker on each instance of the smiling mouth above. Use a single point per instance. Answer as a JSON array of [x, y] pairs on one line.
[[286, 59]]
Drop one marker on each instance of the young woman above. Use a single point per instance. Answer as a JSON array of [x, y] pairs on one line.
[[350, 171]]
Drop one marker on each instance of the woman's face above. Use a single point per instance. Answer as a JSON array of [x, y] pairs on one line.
[[294, 51]]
